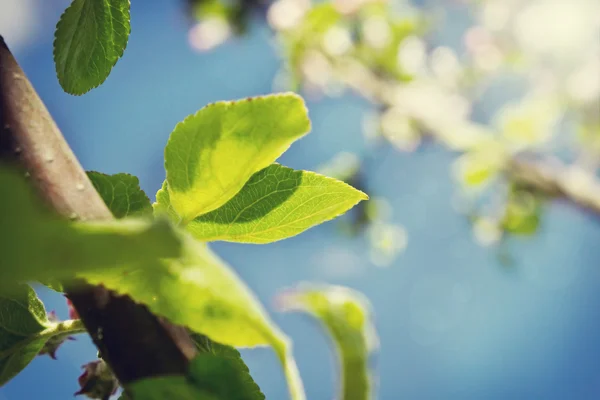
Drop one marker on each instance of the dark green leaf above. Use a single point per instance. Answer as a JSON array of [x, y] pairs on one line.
[[168, 387], [122, 194], [214, 375], [90, 38], [238, 370], [22, 316]]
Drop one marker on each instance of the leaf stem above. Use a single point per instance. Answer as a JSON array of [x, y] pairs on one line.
[[69, 327]]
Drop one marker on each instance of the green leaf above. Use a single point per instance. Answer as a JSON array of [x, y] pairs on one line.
[[200, 291], [163, 206], [40, 246], [122, 194], [238, 371], [213, 153], [276, 203], [211, 376], [90, 38], [346, 316], [167, 387], [24, 330], [54, 284]]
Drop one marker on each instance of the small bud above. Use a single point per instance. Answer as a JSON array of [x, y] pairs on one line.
[[53, 343], [97, 381]]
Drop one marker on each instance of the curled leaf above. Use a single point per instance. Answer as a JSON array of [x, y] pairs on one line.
[[346, 315]]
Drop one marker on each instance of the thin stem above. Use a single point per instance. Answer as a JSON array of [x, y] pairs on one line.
[[69, 327]]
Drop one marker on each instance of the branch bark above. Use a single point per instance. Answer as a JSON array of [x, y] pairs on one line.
[[133, 341]]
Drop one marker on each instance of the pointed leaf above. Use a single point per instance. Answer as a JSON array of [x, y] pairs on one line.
[[122, 194], [201, 292], [276, 203], [211, 376], [213, 153], [40, 246], [90, 38], [237, 371], [346, 316]]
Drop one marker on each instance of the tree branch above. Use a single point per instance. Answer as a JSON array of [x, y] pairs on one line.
[[558, 180], [549, 176], [134, 342]]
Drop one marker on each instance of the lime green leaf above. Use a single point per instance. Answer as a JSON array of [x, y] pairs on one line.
[[40, 246], [237, 370], [213, 153], [122, 194], [346, 316], [163, 206], [90, 38], [201, 292], [25, 329], [276, 203]]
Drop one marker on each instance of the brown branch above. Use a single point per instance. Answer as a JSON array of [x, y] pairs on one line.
[[134, 342]]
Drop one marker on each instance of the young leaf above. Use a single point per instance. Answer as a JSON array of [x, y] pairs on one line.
[[213, 153], [201, 292], [90, 38], [237, 369], [25, 329], [276, 203], [345, 314], [40, 246], [121, 193]]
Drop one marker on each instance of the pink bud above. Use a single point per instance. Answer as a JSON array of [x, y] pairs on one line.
[[72, 312], [97, 381]]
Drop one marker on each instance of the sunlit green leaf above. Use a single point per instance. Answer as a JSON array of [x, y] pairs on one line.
[[24, 330], [122, 194], [90, 38], [346, 316], [40, 246], [213, 153], [201, 292], [163, 206], [276, 203]]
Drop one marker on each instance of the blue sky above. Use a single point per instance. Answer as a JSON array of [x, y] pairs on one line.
[[453, 323]]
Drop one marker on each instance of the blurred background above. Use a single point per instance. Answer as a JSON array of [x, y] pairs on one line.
[[484, 284]]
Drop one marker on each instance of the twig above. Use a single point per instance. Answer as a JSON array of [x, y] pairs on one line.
[[135, 343]]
